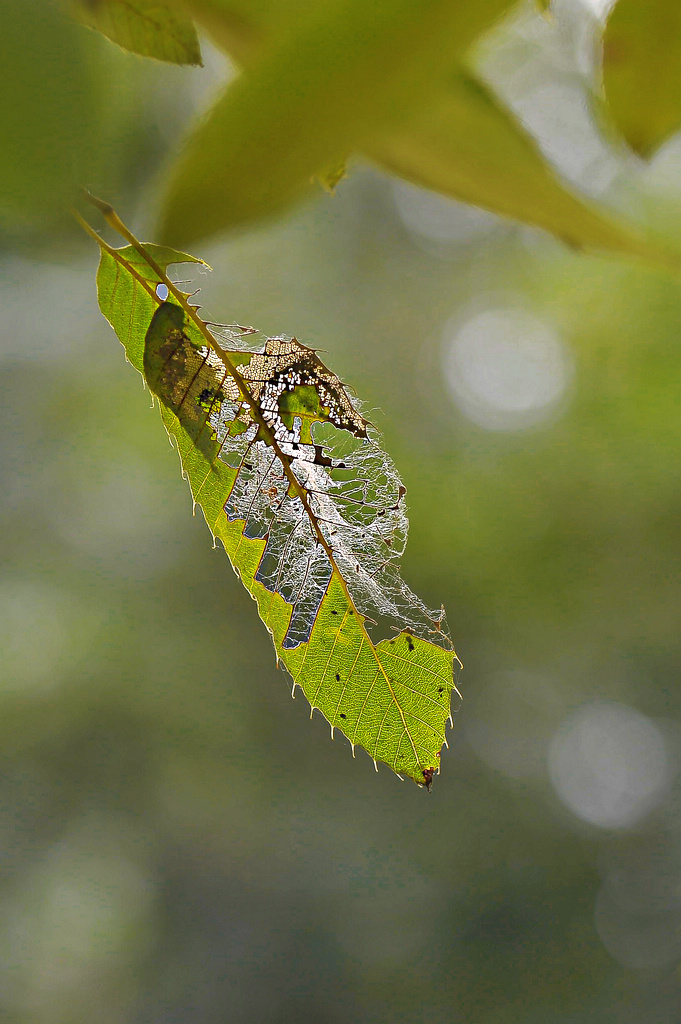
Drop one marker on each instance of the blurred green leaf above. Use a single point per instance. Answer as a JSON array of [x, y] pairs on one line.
[[467, 145], [247, 28], [147, 27], [50, 115], [313, 523], [318, 95], [289, 117], [642, 71]]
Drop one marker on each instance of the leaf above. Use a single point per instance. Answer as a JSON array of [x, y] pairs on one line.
[[458, 139], [293, 481], [246, 28], [470, 147], [150, 28], [52, 132], [642, 71], [314, 97]]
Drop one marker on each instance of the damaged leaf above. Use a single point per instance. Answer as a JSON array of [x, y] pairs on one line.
[[293, 481]]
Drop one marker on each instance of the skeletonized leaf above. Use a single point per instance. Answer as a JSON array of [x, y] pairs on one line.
[[293, 481], [148, 27], [315, 97], [467, 145], [642, 71]]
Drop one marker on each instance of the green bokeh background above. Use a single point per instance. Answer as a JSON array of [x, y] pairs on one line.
[[178, 841]]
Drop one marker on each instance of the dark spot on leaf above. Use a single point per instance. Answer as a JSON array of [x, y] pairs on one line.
[[342, 715], [440, 688], [334, 612], [337, 678], [410, 644], [428, 777]]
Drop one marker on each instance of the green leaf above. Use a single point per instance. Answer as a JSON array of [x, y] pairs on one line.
[[293, 481], [51, 117], [257, 149], [642, 71], [148, 27], [317, 95], [123, 298], [467, 145], [247, 28]]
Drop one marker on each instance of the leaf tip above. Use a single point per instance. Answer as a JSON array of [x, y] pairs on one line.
[[104, 208]]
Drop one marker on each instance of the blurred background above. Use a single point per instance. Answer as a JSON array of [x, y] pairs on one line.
[[178, 841]]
